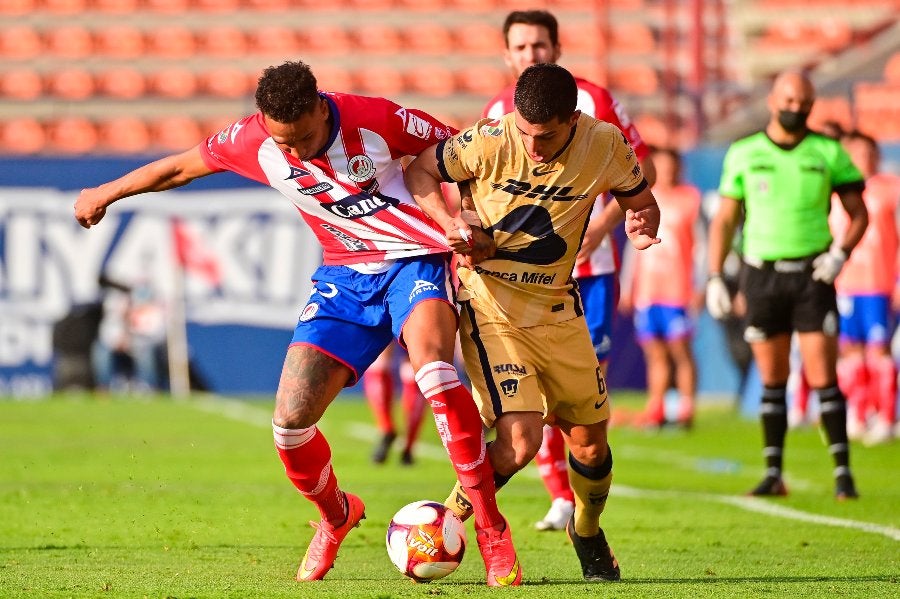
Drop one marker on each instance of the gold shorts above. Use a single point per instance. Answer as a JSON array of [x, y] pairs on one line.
[[550, 369]]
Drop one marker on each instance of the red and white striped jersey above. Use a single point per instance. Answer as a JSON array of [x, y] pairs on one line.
[[597, 102], [352, 196]]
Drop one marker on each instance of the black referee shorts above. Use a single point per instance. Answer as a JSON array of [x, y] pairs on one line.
[[782, 297]]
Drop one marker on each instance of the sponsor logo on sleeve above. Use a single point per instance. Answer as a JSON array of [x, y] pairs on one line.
[[418, 126], [491, 129]]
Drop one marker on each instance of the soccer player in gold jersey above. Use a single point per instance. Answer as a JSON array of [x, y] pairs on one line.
[[534, 174]]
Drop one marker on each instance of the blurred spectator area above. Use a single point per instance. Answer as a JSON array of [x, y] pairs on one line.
[[151, 76]]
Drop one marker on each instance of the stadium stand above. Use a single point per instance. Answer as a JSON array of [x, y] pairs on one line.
[[199, 59]]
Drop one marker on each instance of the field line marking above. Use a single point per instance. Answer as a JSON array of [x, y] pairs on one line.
[[241, 411]]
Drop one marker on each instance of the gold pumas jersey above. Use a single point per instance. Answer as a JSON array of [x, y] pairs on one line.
[[537, 213]]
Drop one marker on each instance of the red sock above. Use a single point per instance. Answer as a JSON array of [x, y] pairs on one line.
[[853, 381], [307, 462], [378, 385], [883, 387], [413, 405], [553, 465], [459, 425], [801, 393]]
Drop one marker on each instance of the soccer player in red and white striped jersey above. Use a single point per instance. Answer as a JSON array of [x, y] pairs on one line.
[[337, 158]]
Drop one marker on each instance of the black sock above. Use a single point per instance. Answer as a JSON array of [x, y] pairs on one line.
[[773, 414], [833, 408]]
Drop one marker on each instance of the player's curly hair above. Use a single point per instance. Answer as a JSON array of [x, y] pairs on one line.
[[287, 92], [545, 91]]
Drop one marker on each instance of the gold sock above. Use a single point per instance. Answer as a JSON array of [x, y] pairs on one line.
[[458, 502], [590, 498]]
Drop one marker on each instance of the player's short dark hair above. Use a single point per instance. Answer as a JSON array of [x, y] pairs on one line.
[[857, 135], [545, 91], [532, 17], [287, 92]]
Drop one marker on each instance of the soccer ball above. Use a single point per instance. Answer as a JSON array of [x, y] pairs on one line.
[[426, 541]]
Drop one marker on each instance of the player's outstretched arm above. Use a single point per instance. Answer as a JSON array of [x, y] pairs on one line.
[[423, 179], [641, 218], [166, 173]]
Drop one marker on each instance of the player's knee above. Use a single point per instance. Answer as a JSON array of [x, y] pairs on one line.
[[592, 456]]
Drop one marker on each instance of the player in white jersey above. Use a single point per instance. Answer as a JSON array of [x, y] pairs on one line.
[[337, 158], [532, 36]]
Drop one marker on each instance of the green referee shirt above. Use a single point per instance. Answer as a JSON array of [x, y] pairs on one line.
[[786, 192]]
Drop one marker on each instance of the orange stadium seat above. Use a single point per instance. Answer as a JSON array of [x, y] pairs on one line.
[[579, 37], [21, 84], [223, 41], [327, 39], [215, 124], [430, 80], [371, 4], [173, 82], [892, 68], [176, 133], [23, 135], [118, 7], [73, 135], [333, 78], [18, 7], [479, 6], [479, 38], [632, 37], [377, 38], [20, 42], [119, 41], [226, 82], [379, 80], [274, 40], [835, 109], [654, 131], [167, 6], [216, 5], [268, 5], [424, 5], [484, 80], [64, 7], [427, 37], [123, 82], [638, 79], [71, 84], [123, 135], [69, 41], [171, 41]]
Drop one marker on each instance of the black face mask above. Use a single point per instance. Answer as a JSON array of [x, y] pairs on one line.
[[792, 122]]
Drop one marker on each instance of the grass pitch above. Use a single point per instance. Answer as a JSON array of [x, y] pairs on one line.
[[116, 497]]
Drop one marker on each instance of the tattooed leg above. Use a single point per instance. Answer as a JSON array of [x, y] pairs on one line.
[[310, 380]]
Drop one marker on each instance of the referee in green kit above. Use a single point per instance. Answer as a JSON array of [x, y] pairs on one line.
[[781, 181]]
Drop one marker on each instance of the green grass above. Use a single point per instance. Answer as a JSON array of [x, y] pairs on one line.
[[158, 498]]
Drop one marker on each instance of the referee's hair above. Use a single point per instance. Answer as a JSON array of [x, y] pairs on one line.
[[287, 92], [545, 91]]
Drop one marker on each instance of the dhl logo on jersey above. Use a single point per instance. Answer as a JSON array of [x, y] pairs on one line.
[[555, 193]]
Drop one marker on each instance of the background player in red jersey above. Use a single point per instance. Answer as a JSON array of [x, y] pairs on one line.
[[337, 157], [866, 288], [532, 36], [378, 386]]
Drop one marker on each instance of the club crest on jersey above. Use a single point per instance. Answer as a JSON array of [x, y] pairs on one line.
[[309, 312], [360, 168], [421, 287], [492, 129], [509, 387]]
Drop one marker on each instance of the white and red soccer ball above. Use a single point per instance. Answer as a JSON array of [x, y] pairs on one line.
[[426, 541]]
